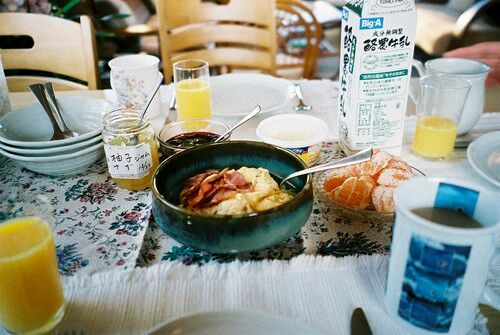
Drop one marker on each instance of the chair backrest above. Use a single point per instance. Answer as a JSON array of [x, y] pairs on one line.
[[239, 33], [296, 21], [60, 46]]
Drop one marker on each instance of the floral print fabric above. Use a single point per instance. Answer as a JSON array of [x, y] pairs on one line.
[[99, 225]]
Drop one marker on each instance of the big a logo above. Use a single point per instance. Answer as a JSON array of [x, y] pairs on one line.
[[371, 23]]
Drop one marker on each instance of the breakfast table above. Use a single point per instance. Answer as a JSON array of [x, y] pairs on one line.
[[123, 275]]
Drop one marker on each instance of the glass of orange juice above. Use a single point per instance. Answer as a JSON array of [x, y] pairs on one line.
[[439, 108], [31, 291], [192, 89]]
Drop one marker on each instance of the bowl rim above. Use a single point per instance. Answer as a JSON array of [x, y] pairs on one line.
[[175, 123], [56, 143], [55, 157], [308, 187], [319, 136]]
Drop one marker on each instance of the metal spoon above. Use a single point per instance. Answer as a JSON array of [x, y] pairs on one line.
[[301, 107], [135, 139], [52, 98], [173, 103], [39, 92], [152, 95], [255, 111], [360, 157]]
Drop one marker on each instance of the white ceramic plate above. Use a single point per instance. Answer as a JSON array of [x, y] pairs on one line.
[[60, 165], [51, 151], [484, 156], [29, 127], [237, 94], [239, 322]]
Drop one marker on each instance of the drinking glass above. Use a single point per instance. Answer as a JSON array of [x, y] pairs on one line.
[[192, 89], [439, 108], [31, 291]]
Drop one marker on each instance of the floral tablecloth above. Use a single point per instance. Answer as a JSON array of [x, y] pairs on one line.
[[97, 224]]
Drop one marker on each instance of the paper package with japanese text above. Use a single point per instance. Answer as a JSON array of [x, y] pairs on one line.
[[378, 38]]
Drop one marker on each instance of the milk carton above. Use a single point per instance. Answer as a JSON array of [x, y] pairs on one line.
[[378, 37]]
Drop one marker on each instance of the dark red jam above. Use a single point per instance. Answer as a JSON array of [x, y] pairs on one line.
[[189, 140]]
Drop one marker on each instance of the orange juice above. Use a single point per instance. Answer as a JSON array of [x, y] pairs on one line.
[[434, 137], [31, 293], [193, 99]]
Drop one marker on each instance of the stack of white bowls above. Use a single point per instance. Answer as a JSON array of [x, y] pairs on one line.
[[25, 136]]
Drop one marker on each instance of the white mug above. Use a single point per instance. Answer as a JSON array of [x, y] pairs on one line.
[[437, 273], [468, 69], [133, 79]]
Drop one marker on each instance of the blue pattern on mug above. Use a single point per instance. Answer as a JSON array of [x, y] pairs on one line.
[[432, 282], [456, 197]]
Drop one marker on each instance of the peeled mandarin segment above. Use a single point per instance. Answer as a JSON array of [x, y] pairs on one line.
[[399, 164], [380, 161], [354, 192], [335, 179], [383, 198], [393, 177]]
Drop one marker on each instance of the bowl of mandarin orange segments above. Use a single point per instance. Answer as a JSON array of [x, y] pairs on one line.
[[366, 190]]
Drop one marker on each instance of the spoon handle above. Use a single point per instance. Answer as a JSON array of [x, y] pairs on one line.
[[255, 111], [158, 82], [39, 92], [298, 91], [52, 97], [360, 157]]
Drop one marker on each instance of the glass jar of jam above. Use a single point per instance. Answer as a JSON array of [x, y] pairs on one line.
[[131, 148]]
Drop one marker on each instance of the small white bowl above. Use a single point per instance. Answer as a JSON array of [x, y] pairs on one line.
[[60, 165], [301, 134], [30, 127]]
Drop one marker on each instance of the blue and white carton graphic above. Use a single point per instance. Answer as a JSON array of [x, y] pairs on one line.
[[378, 38]]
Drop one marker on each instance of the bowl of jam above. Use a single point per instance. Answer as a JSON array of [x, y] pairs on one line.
[[181, 135]]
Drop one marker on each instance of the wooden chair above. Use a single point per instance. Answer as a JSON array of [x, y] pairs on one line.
[[60, 46], [237, 34], [299, 36]]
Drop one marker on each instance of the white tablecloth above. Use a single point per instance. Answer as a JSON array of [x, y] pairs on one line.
[[321, 292]]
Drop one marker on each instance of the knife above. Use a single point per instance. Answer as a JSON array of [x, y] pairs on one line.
[[359, 324]]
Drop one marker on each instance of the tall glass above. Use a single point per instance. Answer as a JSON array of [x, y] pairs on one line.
[[192, 89], [31, 292], [439, 108]]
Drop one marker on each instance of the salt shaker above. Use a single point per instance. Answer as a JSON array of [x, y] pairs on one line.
[[4, 92]]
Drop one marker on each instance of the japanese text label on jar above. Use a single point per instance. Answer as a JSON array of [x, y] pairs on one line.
[[131, 148]]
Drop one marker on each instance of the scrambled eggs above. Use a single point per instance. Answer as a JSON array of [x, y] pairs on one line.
[[266, 194]]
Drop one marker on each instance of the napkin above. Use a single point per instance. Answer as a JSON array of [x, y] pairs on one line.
[[321, 292]]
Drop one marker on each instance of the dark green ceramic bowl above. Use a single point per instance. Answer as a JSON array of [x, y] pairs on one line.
[[230, 234]]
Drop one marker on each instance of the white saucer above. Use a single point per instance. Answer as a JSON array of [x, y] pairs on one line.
[[484, 156], [234, 95], [230, 322]]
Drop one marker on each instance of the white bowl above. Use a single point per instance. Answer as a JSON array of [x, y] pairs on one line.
[[30, 127], [52, 151], [60, 165], [301, 134]]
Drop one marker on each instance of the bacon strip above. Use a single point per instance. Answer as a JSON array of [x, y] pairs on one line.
[[212, 187]]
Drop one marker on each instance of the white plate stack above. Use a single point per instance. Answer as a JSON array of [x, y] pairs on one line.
[[25, 136]]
